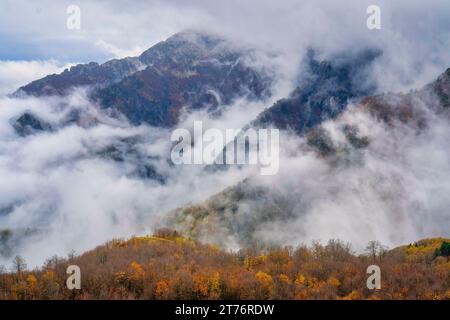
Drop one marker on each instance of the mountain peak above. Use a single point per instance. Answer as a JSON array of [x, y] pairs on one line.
[[182, 48], [189, 47], [190, 68]]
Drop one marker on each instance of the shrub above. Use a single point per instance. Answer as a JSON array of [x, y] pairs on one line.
[[444, 250]]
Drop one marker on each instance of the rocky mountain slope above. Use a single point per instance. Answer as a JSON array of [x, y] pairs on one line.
[[82, 75], [190, 70]]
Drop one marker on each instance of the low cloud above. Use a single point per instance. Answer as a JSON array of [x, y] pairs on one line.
[[62, 190]]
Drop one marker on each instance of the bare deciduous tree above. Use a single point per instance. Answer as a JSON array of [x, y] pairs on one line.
[[19, 264], [375, 249]]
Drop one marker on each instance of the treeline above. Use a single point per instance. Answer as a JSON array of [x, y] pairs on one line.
[[167, 266]]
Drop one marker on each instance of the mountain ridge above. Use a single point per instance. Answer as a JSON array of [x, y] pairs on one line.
[[189, 69]]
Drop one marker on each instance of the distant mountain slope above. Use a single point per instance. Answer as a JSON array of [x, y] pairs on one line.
[[441, 87], [325, 89], [234, 216], [189, 70], [91, 74], [223, 219], [403, 107]]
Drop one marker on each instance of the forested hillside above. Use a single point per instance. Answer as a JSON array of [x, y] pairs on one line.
[[167, 266]]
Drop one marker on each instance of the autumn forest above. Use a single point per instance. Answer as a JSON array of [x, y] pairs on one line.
[[168, 266]]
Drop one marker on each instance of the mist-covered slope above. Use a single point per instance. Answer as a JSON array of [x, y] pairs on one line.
[[378, 171], [325, 88]]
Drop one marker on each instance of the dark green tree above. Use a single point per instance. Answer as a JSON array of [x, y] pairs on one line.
[[444, 250]]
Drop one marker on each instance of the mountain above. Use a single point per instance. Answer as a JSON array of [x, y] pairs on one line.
[[193, 70], [223, 220], [28, 123], [325, 89], [81, 75], [393, 107], [189, 70], [234, 216], [441, 88]]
